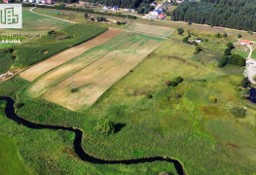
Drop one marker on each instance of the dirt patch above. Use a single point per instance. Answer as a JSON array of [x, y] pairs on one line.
[[70, 152], [39, 69], [232, 145], [182, 60]]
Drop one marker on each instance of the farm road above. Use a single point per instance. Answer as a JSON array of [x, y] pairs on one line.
[[250, 65], [49, 16]]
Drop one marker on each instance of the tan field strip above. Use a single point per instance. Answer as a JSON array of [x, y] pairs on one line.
[[151, 29], [60, 73], [62, 57], [92, 81], [79, 82]]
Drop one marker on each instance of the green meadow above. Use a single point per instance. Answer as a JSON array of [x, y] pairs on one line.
[[10, 161]]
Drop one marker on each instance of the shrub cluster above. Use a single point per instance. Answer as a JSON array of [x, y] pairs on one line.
[[175, 82], [245, 82], [180, 31], [106, 127], [238, 112], [101, 18], [229, 58]]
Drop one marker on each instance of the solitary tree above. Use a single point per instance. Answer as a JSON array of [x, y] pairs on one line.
[[106, 127], [180, 31], [230, 46]]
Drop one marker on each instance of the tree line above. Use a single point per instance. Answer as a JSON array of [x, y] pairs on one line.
[[239, 14], [124, 3]]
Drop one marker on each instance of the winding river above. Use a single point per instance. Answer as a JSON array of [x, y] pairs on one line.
[[10, 113]]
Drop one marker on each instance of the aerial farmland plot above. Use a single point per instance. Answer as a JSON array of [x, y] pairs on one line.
[[58, 59], [138, 97], [79, 82], [151, 29]]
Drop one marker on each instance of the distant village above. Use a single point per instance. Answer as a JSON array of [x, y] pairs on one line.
[[34, 1], [157, 13]]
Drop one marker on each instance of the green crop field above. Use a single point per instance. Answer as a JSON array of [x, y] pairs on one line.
[[64, 35], [36, 23], [30, 53]]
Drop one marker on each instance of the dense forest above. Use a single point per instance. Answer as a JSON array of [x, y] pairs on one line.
[[239, 14], [123, 3]]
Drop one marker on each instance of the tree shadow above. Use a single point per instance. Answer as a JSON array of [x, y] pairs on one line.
[[119, 126]]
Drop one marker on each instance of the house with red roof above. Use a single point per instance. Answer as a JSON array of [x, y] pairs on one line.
[[162, 16], [246, 42]]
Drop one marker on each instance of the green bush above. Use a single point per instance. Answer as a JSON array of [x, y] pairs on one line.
[[18, 105], [106, 127], [223, 61], [74, 90], [213, 99], [101, 18], [2, 106], [198, 49], [245, 82], [186, 40], [230, 46], [218, 35], [51, 32], [180, 31], [238, 112], [237, 60], [227, 52], [239, 36], [179, 79], [149, 96], [173, 83]]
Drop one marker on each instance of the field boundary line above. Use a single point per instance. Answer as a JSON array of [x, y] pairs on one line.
[[49, 16]]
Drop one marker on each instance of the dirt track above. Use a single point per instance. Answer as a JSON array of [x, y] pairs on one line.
[[62, 57]]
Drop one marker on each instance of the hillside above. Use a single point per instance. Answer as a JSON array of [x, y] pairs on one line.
[[239, 14]]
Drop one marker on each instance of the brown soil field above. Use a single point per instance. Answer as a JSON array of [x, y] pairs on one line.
[[39, 69], [92, 81]]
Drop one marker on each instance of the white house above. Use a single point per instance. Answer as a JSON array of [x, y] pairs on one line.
[[198, 40]]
